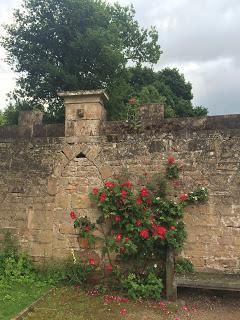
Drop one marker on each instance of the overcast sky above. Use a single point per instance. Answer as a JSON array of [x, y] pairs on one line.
[[200, 37]]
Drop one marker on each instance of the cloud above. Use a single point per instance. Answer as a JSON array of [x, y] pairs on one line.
[[200, 38]]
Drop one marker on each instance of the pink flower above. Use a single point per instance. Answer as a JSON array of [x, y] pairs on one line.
[[73, 215], [91, 262], [95, 191], [171, 160], [144, 233], [172, 228], [102, 197], [109, 184], [123, 312], [118, 237], [117, 218], [183, 197]]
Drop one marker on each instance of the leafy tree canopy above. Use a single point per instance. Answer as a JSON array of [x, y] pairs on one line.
[[166, 86], [74, 44], [60, 45]]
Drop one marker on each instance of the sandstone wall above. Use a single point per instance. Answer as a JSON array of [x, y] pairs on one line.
[[43, 177]]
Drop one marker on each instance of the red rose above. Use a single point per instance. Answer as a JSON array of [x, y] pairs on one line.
[[122, 250], [91, 262], [127, 184], [144, 192], [144, 233], [172, 228], [109, 268], [95, 191], [102, 197], [138, 223], [117, 218], [183, 197], [171, 160], [73, 215], [161, 231], [109, 184], [123, 193], [149, 201], [118, 237], [139, 201], [126, 239], [86, 229]]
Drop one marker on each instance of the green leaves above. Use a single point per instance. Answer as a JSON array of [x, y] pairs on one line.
[[148, 287], [60, 45]]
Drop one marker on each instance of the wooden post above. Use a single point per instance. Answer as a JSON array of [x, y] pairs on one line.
[[171, 288]]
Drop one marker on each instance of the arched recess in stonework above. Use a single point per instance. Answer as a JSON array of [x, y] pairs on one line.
[[75, 175]]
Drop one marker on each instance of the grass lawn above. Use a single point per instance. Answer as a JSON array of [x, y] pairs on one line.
[[71, 303], [17, 297], [74, 304]]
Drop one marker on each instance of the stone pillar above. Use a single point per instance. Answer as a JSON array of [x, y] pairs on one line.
[[29, 118], [27, 121], [151, 113], [84, 113]]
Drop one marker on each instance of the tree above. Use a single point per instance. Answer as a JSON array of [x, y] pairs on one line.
[[167, 86], [2, 118], [59, 45]]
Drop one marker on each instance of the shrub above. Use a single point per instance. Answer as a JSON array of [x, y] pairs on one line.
[[149, 287], [184, 265]]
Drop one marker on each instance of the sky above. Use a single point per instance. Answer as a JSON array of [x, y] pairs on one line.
[[200, 38]]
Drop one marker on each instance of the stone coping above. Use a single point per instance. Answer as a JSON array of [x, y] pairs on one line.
[[81, 93], [116, 128]]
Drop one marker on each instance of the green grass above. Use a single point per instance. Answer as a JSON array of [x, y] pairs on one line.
[[15, 297], [74, 304]]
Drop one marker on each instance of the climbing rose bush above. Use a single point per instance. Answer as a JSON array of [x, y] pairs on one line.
[[146, 218]]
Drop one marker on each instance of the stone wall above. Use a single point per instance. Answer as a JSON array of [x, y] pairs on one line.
[[44, 176]]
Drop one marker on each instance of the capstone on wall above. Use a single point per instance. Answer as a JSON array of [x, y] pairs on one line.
[[47, 171]]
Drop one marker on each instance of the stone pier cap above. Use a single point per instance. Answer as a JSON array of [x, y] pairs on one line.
[[82, 96]]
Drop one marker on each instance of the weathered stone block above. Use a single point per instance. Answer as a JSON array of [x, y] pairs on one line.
[[52, 186], [80, 201], [106, 172]]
